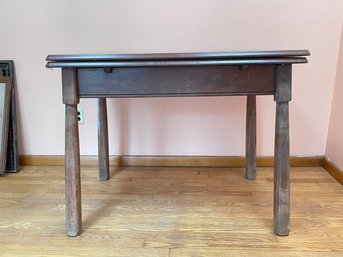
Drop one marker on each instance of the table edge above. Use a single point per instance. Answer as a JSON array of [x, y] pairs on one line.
[[175, 63], [177, 56]]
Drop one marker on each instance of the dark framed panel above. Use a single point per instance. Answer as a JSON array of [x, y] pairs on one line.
[[5, 95], [12, 163]]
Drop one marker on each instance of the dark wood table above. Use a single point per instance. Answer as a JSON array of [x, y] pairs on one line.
[[172, 75]]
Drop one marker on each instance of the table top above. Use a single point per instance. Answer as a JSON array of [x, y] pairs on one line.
[[177, 59]]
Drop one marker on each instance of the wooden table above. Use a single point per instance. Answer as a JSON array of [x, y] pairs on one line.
[[171, 75]]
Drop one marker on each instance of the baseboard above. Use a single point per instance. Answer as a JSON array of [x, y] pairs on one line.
[[333, 170], [173, 161]]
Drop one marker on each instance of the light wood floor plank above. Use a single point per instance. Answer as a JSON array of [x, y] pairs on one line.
[[170, 212]]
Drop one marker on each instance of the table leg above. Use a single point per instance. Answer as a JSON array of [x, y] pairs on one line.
[[281, 155], [72, 153], [250, 148], [281, 172], [72, 173], [103, 152]]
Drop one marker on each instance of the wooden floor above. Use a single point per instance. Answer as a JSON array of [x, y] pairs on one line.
[[170, 212]]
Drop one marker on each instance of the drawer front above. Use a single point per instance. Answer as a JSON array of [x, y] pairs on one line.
[[177, 81]]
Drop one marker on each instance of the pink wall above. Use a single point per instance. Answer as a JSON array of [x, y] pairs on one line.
[[187, 126], [334, 147]]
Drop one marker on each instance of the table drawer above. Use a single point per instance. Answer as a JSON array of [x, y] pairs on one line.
[[177, 81]]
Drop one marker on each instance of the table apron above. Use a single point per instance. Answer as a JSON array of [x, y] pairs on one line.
[[177, 81]]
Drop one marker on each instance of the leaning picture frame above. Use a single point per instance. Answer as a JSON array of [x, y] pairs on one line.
[[12, 161], [5, 99]]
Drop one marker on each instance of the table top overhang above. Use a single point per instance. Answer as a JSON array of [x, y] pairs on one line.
[[177, 59]]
